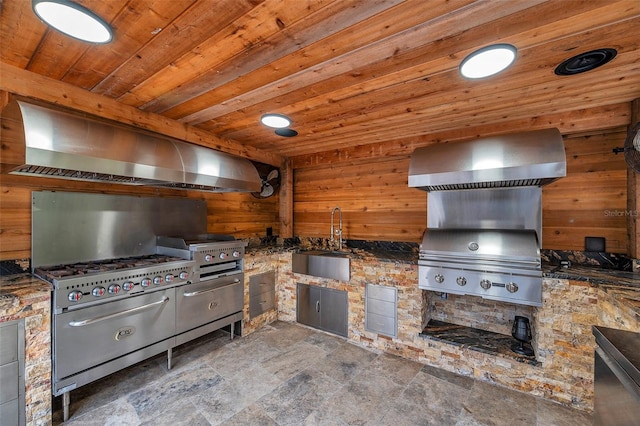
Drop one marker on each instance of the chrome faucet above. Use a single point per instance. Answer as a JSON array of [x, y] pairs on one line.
[[336, 232]]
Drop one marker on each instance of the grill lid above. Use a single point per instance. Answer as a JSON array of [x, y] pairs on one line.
[[478, 245], [521, 159]]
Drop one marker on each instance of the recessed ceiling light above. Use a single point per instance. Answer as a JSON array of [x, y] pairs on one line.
[[488, 61], [277, 121], [73, 20]]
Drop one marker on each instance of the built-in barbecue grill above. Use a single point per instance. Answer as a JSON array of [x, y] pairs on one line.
[[498, 264], [484, 214]]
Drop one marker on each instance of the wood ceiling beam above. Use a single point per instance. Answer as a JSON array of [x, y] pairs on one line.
[[29, 84]]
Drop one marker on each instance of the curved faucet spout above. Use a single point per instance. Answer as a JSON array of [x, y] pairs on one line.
[[336, 232]]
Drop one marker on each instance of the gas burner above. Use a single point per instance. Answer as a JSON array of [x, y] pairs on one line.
[[99, 266]]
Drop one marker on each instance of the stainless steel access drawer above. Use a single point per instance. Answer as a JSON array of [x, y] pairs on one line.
[[262, 293], [381, 309]]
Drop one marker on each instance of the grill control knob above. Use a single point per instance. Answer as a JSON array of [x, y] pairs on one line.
[[223, 255], [461, 281], [439, 278], [127, 285], [184, 275], [169, 277], [208, 258], [146, 282], [486, 284], [512, 287], [236, 254], [75, 295], [98, 291], [114, 288], [157, 280]]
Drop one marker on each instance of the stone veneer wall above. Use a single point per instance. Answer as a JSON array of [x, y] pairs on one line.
[[257, 264], [613, 314], [562, 328]]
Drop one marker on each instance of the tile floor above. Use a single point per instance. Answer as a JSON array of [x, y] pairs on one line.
[[286, 374]]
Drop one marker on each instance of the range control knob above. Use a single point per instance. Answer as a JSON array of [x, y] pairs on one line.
[[461, 281], [75, 295], [223, 255], [127, 286], [157, 280], [486, 284], [114, 289], [236, 254], [184, 275], [169, 278], [98, 291], [146, 282], [512, 287], [208, 258], [439, 278]]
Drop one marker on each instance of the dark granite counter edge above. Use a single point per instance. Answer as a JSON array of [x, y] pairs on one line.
[[407, 253]]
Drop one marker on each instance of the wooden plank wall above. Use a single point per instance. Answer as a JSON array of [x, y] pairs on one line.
[[237, 214], [374, 197], [591, 201], [377, 204]]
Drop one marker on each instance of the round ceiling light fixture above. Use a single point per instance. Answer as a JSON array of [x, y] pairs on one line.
[[73, 20], [488, 61], [586, 61], [277, 121]]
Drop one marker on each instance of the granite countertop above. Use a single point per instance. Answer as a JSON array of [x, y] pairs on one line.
[[18, 292]]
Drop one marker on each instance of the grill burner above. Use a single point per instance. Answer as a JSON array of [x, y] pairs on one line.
[[50, 273]]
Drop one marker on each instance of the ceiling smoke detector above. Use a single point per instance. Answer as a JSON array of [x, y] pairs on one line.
[[73, 20], [488, 61], [586, 61]]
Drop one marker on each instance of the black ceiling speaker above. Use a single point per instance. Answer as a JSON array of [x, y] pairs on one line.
[[631, 148], [586, 61], [270, 185]]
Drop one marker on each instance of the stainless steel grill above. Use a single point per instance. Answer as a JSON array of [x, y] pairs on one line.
[[500, 265]]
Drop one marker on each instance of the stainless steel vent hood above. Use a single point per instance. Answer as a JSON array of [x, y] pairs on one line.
[[45, 142], [532, 158]]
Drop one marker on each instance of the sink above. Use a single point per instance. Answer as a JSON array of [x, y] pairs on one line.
[[322, 263]]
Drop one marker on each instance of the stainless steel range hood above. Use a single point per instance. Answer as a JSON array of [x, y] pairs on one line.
[[45, 142], [521, 159]]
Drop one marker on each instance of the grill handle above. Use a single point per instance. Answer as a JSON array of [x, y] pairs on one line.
[[164, 300]]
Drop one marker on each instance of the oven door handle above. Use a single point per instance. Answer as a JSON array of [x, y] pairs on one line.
[[197, 293], [164, 300]]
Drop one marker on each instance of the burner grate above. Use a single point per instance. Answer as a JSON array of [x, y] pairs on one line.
[[50, 273]]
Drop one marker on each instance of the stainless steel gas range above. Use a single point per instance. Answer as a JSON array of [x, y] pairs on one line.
[[151, 294]]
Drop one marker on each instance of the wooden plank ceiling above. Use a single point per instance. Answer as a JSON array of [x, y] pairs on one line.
[[348, 72]]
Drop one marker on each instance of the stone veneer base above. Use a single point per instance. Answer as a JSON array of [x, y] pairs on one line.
[[475, 339]]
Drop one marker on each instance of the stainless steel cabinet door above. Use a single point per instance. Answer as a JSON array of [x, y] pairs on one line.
[[323, 308], [333, 311], [308, 305]]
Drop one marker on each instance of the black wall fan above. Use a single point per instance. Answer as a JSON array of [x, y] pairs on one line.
[[270, 185], [631, 148]]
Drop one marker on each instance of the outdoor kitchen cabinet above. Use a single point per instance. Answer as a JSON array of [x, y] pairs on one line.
[[323, 308], [12, 390]]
